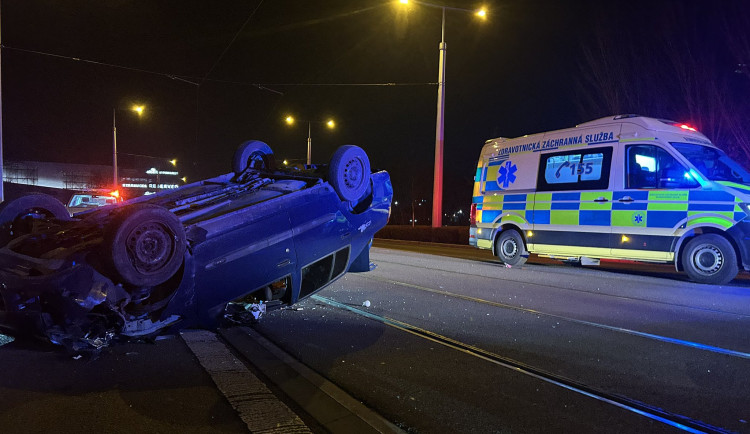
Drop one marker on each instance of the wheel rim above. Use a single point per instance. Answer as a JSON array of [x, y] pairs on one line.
[[256, 160], [353, 172], [509, 248], [707, 259], [150, 247]]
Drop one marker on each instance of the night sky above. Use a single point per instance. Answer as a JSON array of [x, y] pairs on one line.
[[196, 65]]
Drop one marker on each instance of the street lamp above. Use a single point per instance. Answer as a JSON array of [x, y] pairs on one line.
[[329, 123], [136, 108], [437, 189]]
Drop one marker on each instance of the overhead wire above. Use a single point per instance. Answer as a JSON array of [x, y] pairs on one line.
[[196, 81]]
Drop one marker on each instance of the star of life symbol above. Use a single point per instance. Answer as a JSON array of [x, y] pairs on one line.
[[506, 174], [638, 219]]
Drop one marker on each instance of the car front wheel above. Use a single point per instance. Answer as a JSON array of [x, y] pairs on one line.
[[17, 216], [253, 154]]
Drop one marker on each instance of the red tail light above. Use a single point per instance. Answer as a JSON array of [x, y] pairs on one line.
[[116, 195], [473, 215]]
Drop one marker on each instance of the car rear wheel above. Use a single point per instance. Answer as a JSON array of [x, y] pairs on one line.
[[146, 245], [17, 216], [710, 258], [254, 154], [510, 248], [349, 172]]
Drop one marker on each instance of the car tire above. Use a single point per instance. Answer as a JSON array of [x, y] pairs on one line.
[[710, 258], [510, 248], [349, 172], [145, 245], [15, 215], [254, 154]]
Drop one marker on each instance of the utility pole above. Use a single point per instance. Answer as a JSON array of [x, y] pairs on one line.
[[2, 193]]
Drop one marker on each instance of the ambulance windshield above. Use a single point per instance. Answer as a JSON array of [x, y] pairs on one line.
[[713, 163]]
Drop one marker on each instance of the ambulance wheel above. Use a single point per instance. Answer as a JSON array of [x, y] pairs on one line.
[[510, 248], [254, 154], [710, 258]]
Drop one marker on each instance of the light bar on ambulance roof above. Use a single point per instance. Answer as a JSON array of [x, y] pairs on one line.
[[681, 125]]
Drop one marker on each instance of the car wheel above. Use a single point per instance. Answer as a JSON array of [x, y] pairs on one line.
[[710, 258], [349, 172], [254, 154], [17, 215], [510, 248], [146, 245]]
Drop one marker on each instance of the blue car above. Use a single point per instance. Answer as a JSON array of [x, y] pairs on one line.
[[223, 250]]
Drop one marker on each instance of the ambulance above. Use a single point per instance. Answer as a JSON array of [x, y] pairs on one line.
[[624, 187]]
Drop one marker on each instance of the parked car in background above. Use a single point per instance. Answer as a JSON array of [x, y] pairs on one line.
[[222, 250], [83, 201]]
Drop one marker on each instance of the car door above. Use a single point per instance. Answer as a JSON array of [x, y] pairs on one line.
[[647, 213], [250, 249]]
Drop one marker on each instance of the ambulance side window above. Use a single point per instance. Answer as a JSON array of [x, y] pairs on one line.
[[586, 169], [650, 167]]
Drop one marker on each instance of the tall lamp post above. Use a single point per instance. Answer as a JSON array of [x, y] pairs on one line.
[[330, 123], [2, 168], [437, 188], [136, 108]]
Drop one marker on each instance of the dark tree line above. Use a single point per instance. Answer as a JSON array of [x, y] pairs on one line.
[[681, 60]]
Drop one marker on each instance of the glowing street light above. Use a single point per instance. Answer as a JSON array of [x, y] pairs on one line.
[[137, 109], [329, 123], [437, 189]]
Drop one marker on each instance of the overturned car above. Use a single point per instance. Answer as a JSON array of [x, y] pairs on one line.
[[220, 250]]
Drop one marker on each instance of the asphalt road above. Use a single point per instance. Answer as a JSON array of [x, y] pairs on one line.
[[437, 338], [131, 388], [449, 344]]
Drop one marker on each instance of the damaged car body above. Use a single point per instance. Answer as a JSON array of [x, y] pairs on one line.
[[218, 251]]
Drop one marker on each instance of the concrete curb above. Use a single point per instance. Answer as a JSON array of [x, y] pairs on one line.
[[333, 408], [257, 406]]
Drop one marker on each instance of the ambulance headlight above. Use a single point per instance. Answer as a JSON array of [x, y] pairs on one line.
[[746, 208]]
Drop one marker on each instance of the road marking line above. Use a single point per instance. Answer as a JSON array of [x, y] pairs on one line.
[[5, 339], [257, 406], [624, 403], [660, 338], [562, 288]]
